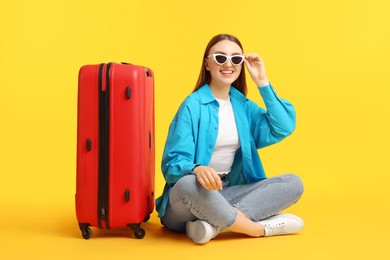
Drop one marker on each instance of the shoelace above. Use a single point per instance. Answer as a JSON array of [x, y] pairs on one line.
[[275, 229]]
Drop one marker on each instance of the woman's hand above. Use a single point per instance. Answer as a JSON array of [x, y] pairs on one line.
[[208, 178], [256, 69]]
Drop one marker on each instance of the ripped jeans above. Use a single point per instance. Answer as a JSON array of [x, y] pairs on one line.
[[189, 201]]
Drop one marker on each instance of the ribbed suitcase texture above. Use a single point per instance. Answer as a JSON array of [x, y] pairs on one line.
[[115, 147]]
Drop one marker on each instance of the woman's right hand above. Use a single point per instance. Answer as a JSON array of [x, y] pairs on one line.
[[208, 178]]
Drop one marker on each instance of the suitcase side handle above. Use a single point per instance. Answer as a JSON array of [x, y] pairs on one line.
[[150, 139]]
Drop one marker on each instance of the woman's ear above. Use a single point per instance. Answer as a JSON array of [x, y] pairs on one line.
[[206, 65]]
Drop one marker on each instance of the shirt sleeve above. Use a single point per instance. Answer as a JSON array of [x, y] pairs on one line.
[[273, 124], [179, 151]]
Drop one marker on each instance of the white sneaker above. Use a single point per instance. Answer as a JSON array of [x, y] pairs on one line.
[[200, 231], [282, 224]]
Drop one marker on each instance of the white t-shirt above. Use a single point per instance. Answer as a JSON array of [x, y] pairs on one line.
[[227, 140]]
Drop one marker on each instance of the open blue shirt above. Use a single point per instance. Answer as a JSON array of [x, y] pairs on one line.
[[193, 133]]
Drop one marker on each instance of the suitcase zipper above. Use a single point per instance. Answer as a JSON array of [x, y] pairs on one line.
[[104, 147]]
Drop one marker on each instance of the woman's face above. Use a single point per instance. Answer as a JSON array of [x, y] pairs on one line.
[[226, 74]]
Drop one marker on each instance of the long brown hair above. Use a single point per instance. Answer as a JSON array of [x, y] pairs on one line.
[[205, 76]]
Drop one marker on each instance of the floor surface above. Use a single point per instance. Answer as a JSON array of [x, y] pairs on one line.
[[334, 229]]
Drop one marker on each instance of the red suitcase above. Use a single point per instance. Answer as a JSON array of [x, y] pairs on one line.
[[115, 147]]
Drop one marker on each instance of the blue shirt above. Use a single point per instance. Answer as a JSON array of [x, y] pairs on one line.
[[193, 133]]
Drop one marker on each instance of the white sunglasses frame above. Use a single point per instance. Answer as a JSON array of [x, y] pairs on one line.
[[228, 58]]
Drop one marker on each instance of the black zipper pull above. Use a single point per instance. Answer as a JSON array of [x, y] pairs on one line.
[[89, 144], [127, 195], [103, 213], [128, 92]]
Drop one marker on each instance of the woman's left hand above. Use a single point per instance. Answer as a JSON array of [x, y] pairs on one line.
[[256, 69]]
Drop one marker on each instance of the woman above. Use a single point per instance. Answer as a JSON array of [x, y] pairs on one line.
[[214, 176]]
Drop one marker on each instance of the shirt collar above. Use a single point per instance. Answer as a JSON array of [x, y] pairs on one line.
[[206, 96]]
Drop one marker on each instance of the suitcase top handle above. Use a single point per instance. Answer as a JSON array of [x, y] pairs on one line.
[[148, 74]]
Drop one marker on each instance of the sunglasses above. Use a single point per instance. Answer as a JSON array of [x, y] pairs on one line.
[[222, 59]]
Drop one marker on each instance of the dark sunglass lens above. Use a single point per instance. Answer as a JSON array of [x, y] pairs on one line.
[[220, 59], [236, 60]]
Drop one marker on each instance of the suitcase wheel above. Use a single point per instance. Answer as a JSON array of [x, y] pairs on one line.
[[139, 232], [86, 232]]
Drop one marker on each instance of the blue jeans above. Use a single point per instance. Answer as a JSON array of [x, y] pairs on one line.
[[189, 201]]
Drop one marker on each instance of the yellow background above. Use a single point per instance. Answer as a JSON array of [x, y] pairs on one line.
[[329, 58]]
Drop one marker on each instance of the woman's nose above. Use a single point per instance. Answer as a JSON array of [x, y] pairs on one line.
[[228, 63]]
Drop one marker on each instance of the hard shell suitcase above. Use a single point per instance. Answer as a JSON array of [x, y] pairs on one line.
[[115, 147]]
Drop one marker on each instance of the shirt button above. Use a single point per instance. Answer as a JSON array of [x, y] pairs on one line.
[[210, 146]]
